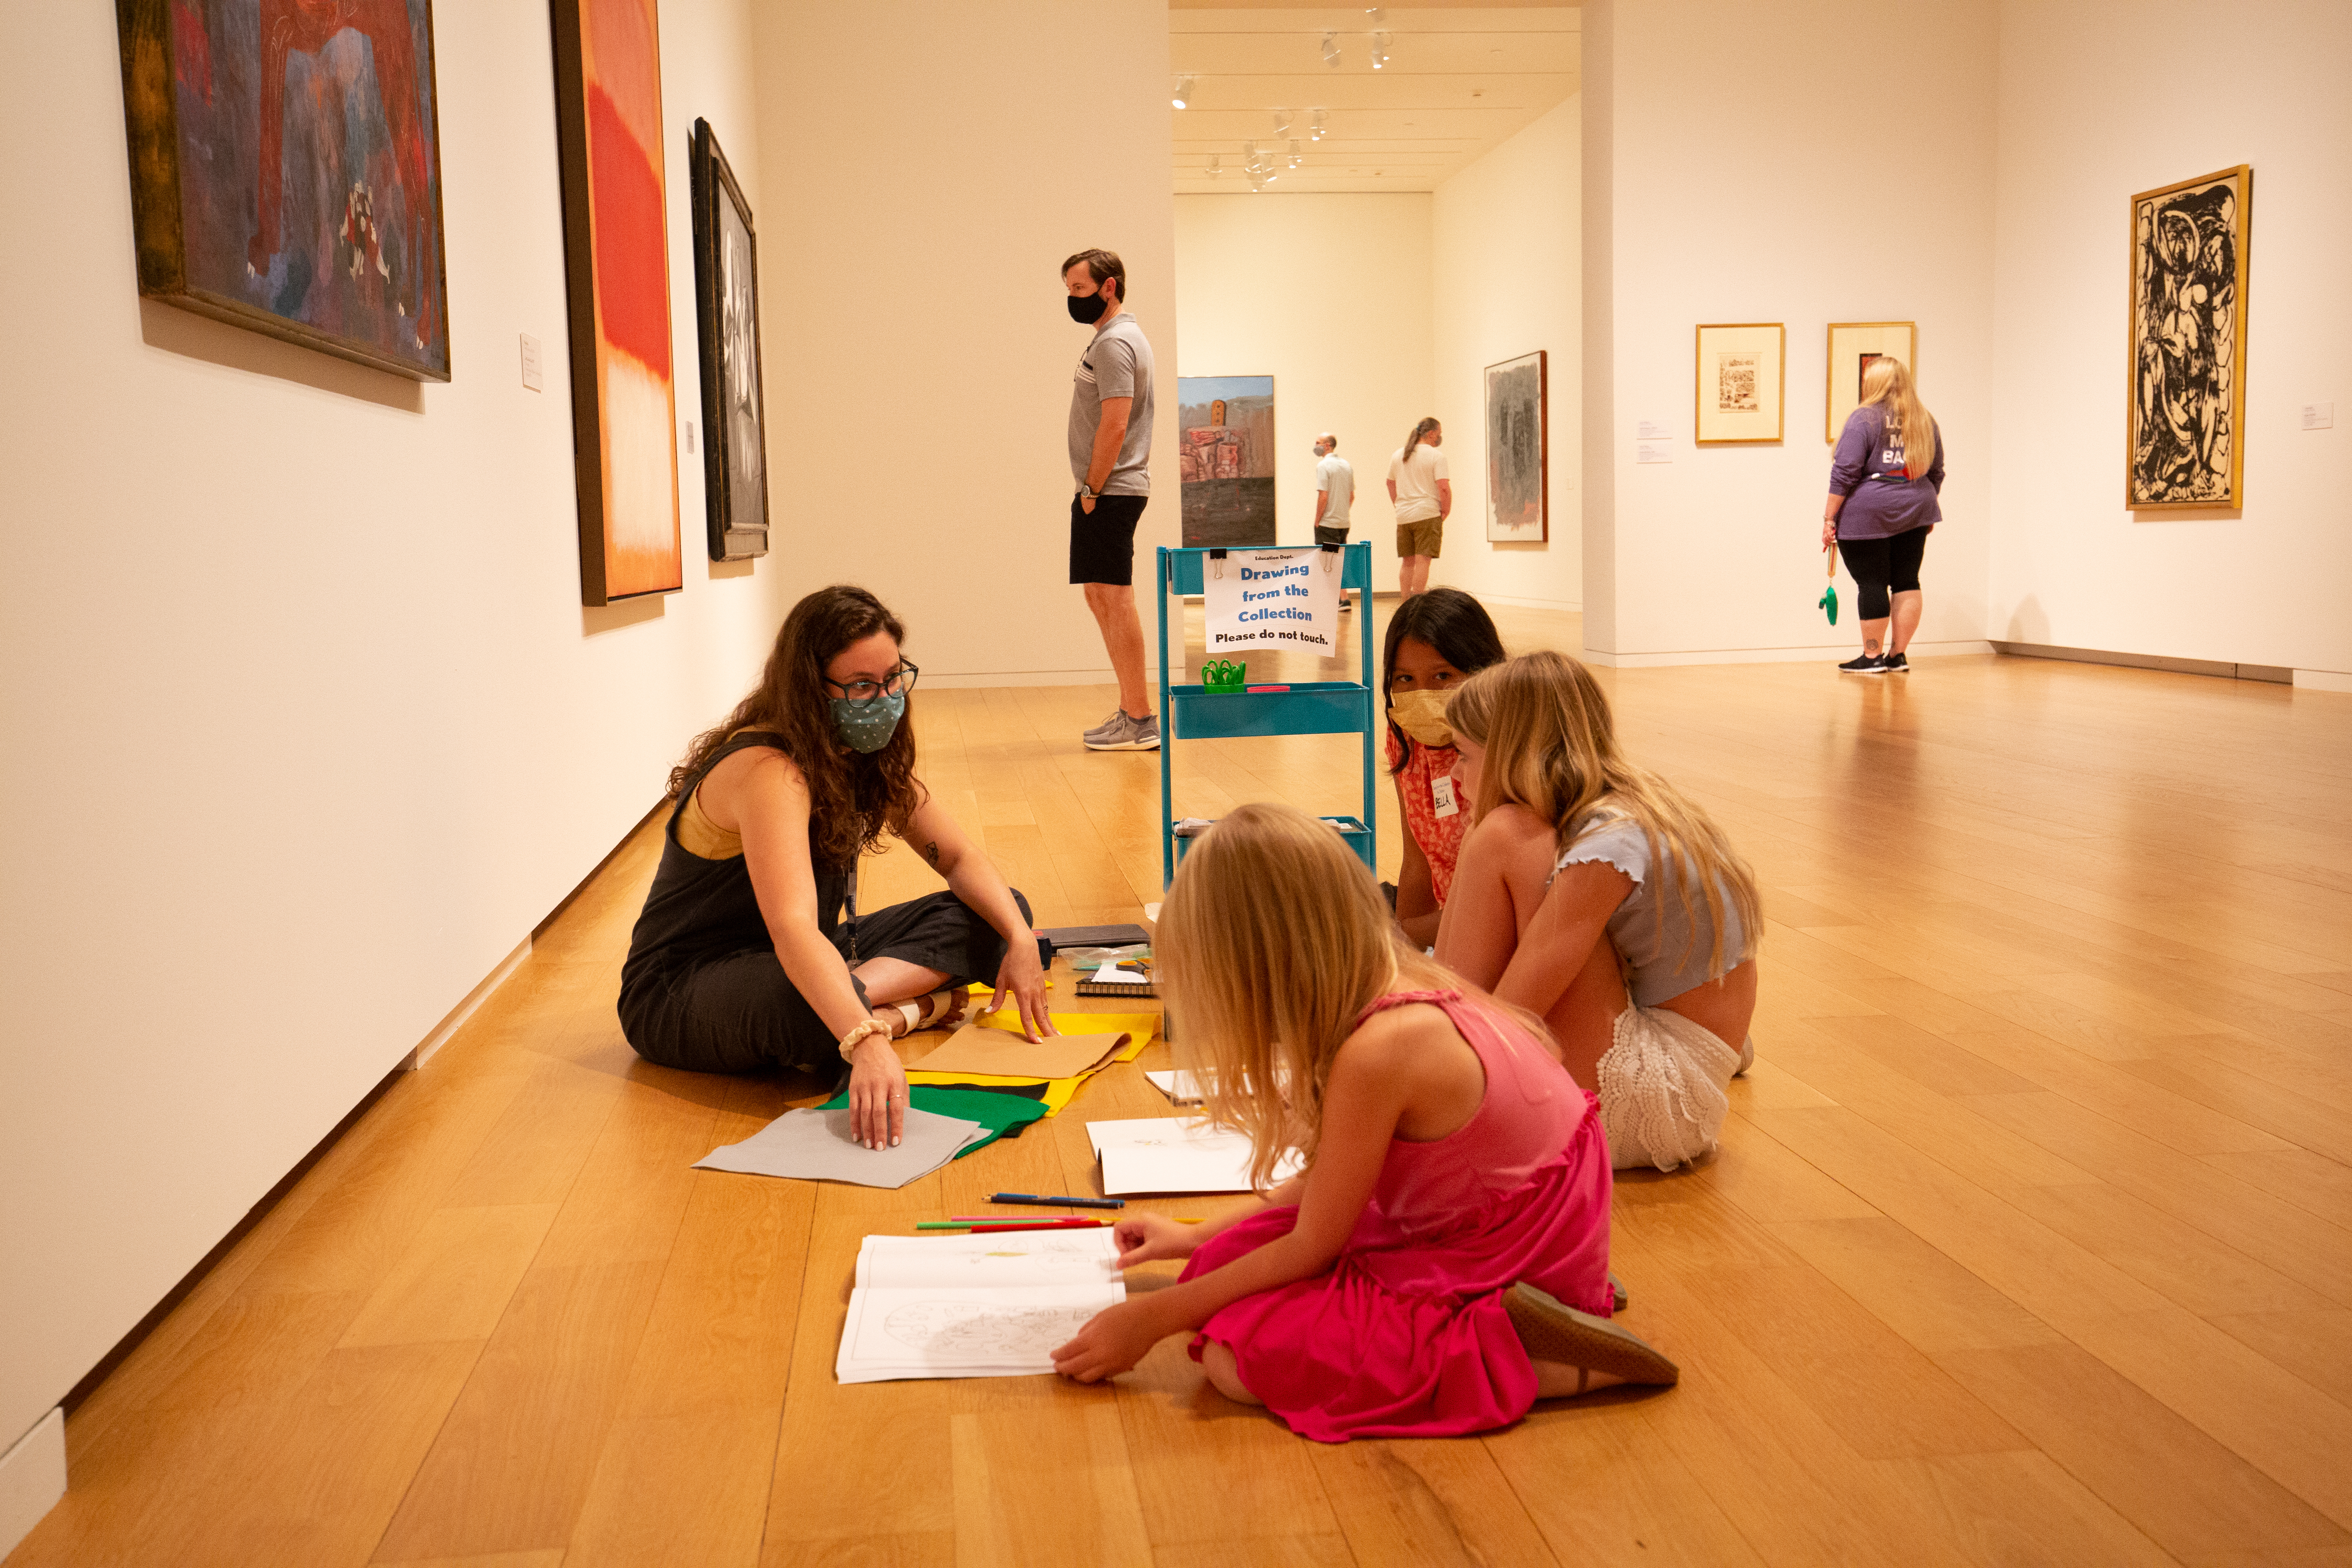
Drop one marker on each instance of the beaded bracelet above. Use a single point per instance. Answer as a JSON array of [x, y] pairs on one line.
[[849, 1042]]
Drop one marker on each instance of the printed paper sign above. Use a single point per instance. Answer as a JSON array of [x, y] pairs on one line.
[[1272, 598]]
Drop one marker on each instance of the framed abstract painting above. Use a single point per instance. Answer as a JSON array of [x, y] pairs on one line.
[[1517, 458], [1741, 377], [726, 310], [1224, 455], [608, 113], [286, 171], [2187, 352], [1852, 345]]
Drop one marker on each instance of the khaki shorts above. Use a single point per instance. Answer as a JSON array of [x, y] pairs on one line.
[[1420, 537]]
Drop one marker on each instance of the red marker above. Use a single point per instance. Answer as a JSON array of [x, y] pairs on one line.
[[1269, 689]]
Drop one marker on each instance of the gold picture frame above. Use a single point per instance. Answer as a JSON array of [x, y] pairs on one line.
[[1852, 347], [1739, 377], [2185, 358]]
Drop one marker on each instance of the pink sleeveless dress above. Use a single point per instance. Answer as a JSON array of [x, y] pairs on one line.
[[1405, 1335]]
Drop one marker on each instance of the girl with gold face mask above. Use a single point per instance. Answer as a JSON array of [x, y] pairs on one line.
[[1435, 641]]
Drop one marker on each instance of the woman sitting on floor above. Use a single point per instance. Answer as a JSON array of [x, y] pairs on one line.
[[1443, 1262], [741, 958], [1577, 862]]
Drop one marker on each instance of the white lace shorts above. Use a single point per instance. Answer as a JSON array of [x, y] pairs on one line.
[[1663, 1083]]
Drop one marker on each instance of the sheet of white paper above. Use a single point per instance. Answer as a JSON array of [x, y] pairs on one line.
[[816, 1146], [972, 1306], [1177, 1084], [1122, 973], [1272, 598], [1174, 1154]]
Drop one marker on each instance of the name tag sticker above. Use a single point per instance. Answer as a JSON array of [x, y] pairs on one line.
[[1441, 791]]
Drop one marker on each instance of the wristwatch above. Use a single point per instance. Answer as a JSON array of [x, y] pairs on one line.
[[1087, 492]]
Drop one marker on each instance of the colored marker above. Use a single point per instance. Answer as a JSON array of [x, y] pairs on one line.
[[992, 1229], [1050, 1202], [1012, 1219]]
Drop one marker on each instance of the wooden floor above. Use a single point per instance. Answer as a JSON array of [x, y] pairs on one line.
[[2028, 1243]]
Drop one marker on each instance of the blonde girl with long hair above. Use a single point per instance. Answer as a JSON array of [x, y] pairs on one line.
[[1442, 1262], [1885, 484], [1598, 896]]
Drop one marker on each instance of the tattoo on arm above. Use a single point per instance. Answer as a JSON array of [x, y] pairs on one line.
[[931, 853]]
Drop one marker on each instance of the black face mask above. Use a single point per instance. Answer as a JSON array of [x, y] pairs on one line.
[[1088, 307]]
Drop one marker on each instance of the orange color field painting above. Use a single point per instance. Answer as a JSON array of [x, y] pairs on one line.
[[608, 95]]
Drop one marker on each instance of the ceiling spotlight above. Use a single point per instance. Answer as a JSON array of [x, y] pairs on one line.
[[1216, 169], [1376, 15], [1182, 98], [1297, 157], [1331, 49], [1282, 122], [1380, 50], [1315, 125]]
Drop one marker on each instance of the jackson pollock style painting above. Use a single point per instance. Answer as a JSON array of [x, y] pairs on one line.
[[2189, 343], [616, 252], [286, 171]]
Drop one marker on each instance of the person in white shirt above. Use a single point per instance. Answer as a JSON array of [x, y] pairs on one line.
[[1423, 495], [1334, 488]]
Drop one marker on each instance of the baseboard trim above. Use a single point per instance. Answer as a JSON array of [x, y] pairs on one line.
[[32, 1478], [1562, 605], [2321, 680], [432, 1043], [1829, 653], [2221, 668]]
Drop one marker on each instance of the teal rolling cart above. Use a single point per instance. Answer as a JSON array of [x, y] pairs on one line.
[[1190, 712]]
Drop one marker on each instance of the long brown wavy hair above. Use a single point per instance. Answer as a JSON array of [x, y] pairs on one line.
[[854, 798]]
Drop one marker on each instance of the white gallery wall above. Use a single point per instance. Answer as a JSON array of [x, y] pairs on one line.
[[1330, 294], [1507, 279], [2086, 120], [925, 169], [306, 726], [1737, 169]]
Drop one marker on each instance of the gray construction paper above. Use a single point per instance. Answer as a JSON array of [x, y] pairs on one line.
[[816, 1146]]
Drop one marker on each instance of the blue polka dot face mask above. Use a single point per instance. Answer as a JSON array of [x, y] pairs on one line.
[[869, 726]]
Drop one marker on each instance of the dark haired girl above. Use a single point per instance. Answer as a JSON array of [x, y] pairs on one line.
[[1436, 640], [742, 957]]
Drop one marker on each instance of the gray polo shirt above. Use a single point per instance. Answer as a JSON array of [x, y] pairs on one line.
[[1118, 364]]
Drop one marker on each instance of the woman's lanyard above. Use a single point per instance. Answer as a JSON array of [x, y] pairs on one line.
[[852, 914]]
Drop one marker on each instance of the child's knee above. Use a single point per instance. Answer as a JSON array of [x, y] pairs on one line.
[[1225, 1374]]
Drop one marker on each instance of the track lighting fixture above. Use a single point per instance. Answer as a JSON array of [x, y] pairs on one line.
[[1182, 98], [1331, 50], [1380, 50], [1295, 156], [1315, 125], [1282, 122], [1216, 168]]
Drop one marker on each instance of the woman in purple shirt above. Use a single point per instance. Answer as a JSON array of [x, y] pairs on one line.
[[1884, 482]]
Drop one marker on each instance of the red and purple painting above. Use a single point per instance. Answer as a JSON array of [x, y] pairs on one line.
[[286, 171], [616, 253]]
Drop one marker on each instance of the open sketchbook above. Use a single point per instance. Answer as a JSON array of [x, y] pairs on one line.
[[975, 1305], [1169, 1155]]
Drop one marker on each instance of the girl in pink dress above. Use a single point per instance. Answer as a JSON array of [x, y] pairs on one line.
[[1443, 1262]]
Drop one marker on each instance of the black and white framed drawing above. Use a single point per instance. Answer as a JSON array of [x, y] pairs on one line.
[[726, 307], [1741, 376], [2187, 352], [1517, 454]]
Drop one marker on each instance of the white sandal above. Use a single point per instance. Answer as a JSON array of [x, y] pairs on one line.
[[925, 1011]]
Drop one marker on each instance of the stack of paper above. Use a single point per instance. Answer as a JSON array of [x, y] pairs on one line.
[[1165, 1154], [816, 1146], [973, 1305], [1179, 1084], [1002, 1053]]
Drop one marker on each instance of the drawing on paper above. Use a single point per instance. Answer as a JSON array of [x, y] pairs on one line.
[[1224, 455], [726, 308], [1736, 383], [1518, 456], [959, 1330], [2187, 341]]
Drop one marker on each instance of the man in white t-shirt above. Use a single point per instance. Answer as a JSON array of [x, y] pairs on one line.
[[1335, 488], [1423, 495]]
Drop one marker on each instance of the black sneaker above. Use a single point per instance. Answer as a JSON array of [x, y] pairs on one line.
[[1895, 665], [1868, 664]]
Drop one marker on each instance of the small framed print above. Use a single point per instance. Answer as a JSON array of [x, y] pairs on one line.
[[1852, 345], [1741, 376]]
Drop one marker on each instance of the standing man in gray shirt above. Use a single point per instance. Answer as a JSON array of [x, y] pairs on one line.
[[1335, 488], [1111, 451]]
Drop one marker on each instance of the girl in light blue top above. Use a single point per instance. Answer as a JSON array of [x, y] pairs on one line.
[[1595, 894]]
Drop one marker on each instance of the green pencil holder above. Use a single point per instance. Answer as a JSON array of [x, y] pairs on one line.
[[1223, 675]]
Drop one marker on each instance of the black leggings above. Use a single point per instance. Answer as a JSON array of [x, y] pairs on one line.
[[1880, 567], [739, 1013]]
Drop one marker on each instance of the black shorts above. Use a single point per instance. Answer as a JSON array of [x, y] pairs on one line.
[[1331, 535], [1102, 541], [1881, 566]]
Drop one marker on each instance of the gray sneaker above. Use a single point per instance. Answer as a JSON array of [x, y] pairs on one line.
[[1125, 733], [1111, 726]]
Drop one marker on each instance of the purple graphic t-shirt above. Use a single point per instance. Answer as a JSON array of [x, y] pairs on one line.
[[1881, 499]]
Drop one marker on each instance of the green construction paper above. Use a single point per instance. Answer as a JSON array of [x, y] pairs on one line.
[[1004, 1115]]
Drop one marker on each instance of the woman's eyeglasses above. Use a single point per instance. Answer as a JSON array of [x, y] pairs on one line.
[[897, 683]]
